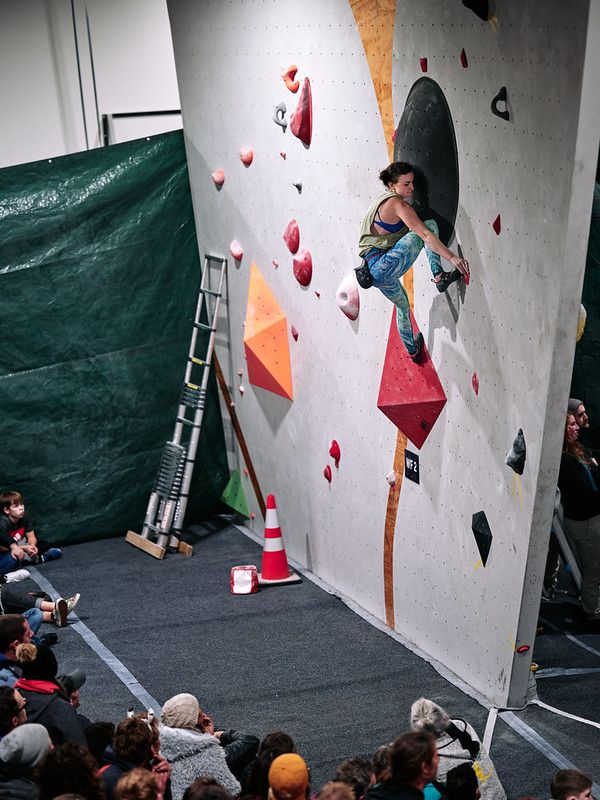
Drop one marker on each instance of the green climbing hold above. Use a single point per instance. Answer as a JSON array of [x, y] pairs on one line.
[[233, 495]]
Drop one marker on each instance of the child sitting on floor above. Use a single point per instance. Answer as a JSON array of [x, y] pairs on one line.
[[18, 542]]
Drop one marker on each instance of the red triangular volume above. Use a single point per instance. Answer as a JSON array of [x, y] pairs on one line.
[[301, 119], [410, 394]]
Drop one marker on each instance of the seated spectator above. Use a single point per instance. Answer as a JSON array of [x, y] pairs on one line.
[[191, 745], [13, 710], [457, 742], [206, 789], [17, 600], [336, 790], [135, 744], [579, 482], [21, 751], [462, 784], [413, 764], [289, 778], [45, 702], [99, 735], [14, 630], [381, 762], [571, 784], [357, 773], [255, 778], [139, 784], [69, 769]]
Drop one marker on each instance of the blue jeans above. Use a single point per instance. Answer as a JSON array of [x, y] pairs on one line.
[[8, 563], [34, 617], [387, 270]]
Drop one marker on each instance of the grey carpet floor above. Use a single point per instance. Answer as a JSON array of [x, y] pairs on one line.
[[292, 658]]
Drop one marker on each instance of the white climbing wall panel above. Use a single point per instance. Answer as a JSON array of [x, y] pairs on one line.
[[514, 324]]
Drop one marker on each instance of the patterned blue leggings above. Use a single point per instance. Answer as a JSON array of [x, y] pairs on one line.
[[388, 269]]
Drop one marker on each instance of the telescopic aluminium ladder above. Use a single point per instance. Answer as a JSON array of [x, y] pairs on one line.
[[169, 497]]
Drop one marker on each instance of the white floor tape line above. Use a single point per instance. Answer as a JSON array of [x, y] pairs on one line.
[[559, 672], [566, 714], [109, 658], [541, 745], [489, 728]]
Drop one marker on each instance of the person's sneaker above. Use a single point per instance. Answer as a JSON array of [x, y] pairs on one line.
[[50, 555], [72, 602], [60, 613], [49, 639], [447, 279], [17, 575], [419, 341]]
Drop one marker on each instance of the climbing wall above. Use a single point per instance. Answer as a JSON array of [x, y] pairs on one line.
[[416, 516]]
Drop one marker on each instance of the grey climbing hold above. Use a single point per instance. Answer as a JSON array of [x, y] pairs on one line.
[[516, 458], [279, 116], [298, 186], [483, 535]]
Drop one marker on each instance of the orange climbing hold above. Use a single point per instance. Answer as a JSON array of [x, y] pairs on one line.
[[288, 76], [265, 339], [291, 236], [301, 119]]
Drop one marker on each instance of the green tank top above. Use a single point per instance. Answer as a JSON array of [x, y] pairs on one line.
[[381, 240]]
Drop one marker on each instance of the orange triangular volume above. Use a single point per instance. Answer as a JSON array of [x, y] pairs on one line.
[[262, 309], [266, 339]]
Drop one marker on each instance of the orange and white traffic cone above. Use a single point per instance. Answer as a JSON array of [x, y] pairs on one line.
[[275, 567]]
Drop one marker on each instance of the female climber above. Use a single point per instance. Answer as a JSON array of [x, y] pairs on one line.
[[391, 238]]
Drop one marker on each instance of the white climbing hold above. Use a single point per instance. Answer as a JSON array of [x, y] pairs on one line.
[[348, 298], [236, 250], [391, 478]]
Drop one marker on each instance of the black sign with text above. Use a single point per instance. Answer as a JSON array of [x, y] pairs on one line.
[[411, 466]]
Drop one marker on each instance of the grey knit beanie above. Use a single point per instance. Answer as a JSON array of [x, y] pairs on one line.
[[25, 746], [573, 405], [180, 711]]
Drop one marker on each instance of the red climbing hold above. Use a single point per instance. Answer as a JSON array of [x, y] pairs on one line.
[[288, 76], [294, 333], [463, 59], [475, 383], [303, 267], [282, 154], [496, 225], [275, 263], [246, 156], [327, 473], [334, 452], [524, 648], [301, 119], [423, 63], [317, 293], [348, 298], [291, 236], [218, 177], [410, 395]]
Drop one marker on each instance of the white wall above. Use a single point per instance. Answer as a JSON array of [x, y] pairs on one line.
[[39, 91], [515, 325]]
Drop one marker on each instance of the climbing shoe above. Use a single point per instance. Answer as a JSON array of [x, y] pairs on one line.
[[448, 278], [420, 342]]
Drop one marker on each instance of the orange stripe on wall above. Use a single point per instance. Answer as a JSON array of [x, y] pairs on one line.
[[375, 20]]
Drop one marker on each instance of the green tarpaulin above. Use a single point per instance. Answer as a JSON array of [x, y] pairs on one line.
[[99, 274]]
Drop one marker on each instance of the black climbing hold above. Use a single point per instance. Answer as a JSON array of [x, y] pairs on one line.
[[425, 138], [516, 458], [482, 534], [479, 7], [501, 98]]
